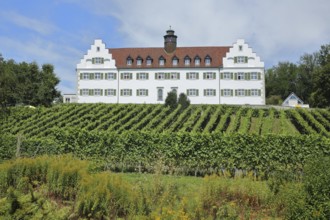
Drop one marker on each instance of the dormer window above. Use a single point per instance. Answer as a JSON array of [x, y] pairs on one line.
[[161, 61], [197, 61], [207, 60], [139, 61], [187, 61], [129, 61], [149, 61], [175, 61]]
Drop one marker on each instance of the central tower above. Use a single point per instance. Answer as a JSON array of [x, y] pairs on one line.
[[170, 41]]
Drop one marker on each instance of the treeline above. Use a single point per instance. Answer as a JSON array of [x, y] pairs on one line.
[[309, 79], [27, 84]]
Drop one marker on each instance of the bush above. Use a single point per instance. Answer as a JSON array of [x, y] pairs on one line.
[[171, 100], [183, 100]]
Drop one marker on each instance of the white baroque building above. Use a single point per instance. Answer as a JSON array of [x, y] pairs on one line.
[[207, 75]]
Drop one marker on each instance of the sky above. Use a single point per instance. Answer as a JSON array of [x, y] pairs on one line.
[[60, 32]]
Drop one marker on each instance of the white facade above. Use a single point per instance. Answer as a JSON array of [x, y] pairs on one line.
[[239, 80]]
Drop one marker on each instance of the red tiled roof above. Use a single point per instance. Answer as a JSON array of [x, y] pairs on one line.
[[121, 54]]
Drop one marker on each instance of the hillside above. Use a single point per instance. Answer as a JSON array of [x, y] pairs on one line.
[[118, 118]]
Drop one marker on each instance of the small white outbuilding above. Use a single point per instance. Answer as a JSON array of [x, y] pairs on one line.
[[294, 101]]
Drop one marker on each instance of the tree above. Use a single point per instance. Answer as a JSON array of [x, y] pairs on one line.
[[171, 100], [183, 100]]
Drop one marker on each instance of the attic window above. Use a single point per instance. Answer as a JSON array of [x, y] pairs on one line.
[[175, 61], [187, 61], [207, 61], [161, 61], [197, 61], [129, 61], [139, 61], [149, 61]]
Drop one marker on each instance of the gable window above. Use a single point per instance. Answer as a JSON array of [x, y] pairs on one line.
[[160, 76], [241, 59], [209, 75], [161, 61], [187, 61], [197, 61], [192, 75], [139, 61], [207, 60], [240, 76], [240, 48], [129, 61], [110, 76], [97, 60], [175, 61], [142, 76], [192, 92], [125, 92], [209, 92], [97, 92], [126, 76], [142, 92], [98, 49], [149, 61], [110, 92], [240, 92]]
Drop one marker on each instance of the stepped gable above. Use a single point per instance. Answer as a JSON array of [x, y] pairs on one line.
[[215, 53]]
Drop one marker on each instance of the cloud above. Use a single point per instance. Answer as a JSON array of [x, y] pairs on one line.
[[38, 26]]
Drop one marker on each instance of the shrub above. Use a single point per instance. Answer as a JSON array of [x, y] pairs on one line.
[[171, 100]]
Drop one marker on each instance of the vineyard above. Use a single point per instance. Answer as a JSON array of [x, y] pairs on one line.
[[119, 118]]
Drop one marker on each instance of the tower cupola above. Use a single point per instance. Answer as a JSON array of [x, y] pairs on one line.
[[170, 41]]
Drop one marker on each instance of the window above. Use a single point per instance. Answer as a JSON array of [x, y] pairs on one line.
[[160, 76], [126, 92], [142, 92], [254, 76], [111, 76], [255, 92], [110, 92], [149, 61], [160, 94], [84, 92], [85, 76], [197, 61], [175, 61], [97, 76], [209, 92], [98, 49], [187, 61], [174, 89], [207, 61], [67, 100], [192, 92], [227, 92], [139, 61], [240, 47], [209, 75], [161, 61], [240, 92], [192, 75], [97, 60], [129, 61], [227, 75], [240, 59], [174, 75], [142, 76], [126, 76], [97, 92], [240, 76]]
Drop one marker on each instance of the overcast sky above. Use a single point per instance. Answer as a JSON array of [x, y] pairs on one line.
[[61, 31]]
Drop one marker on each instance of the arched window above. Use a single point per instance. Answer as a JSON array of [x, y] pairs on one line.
[[161, 61], [160, 94], [197, 60], [207, 60], [187, 60], [175, 61], [129, 61], [139, 61], [149, 60]]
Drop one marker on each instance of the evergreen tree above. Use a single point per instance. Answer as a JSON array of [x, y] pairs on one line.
[[183, 100], [171, 100]]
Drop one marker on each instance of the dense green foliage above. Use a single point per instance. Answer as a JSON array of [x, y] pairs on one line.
[[309, 79], [196, 118], [27, 84]]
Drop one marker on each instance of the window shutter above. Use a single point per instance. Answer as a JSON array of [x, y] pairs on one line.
[[178, 75], [231, 75], [246, 59], [248, 76], [214, 92], [235, 92], [121, 92], [156, 76], [204, 75], [249, 92], [102, 75], [81, 75], [137, 92], [259, 75], [235, 76], [235, 59], [204, 92], [213, 77], [197, 75], [130, 92], [187, 75], [259, 92], [121, 75], [91, 76], [114, 92], [80, 91], [221, 92], [91, 92], [197, 92], [101, 92], [138, 76], [114, 75], [231, 92], [106, 92], [221, 75], [130, 75], [147, 92], [106, 75], [147, 75], [93, 60]]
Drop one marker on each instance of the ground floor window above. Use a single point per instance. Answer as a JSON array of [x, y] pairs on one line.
[[209, 92], [126, 92], [142, 92], [192, 92]]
